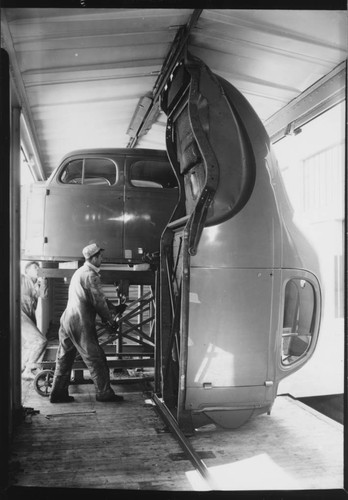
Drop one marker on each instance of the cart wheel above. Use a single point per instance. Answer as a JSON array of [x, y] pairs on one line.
[[43, 382]]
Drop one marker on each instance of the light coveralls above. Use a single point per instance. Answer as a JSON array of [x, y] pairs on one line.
[[34, 342], [77, 332]]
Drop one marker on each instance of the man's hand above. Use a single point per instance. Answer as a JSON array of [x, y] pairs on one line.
[[120, 308], [113, 325]]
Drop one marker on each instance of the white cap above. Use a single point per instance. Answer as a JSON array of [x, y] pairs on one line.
[[91, 250]]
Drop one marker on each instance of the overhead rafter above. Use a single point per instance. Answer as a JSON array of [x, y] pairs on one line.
[[147, 109], [319, 97]]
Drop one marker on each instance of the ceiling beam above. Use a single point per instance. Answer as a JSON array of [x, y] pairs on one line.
[[319, 97], [147, 109]]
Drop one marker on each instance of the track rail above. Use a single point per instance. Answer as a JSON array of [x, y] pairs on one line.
[[184, 442]]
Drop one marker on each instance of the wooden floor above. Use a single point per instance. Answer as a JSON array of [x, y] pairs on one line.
[[126, 446]]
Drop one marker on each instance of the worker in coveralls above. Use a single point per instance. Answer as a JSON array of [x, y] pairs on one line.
[[77, 331], [34, 342]]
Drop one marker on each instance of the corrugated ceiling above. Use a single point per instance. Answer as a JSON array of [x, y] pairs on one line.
[[81, 72]]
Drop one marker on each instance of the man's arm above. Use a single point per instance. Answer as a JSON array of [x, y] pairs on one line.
[[98, 298], [42, 288]]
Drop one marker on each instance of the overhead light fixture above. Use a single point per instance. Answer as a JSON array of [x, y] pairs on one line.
[[139, 115]]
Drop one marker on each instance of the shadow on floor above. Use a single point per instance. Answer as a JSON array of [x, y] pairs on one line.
[[331, 406]]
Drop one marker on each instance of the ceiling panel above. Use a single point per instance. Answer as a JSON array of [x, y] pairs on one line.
[[80, 73]]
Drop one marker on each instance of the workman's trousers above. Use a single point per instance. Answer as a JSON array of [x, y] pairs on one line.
[[93, 356], [33, 343]]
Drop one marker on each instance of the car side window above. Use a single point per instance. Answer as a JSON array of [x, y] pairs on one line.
[[298, 320], [152, 174], [96, 171], [72, 173]]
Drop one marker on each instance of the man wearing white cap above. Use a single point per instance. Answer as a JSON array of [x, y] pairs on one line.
[[77, 331]]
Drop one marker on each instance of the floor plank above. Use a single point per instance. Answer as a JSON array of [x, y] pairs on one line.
[[87, 444]]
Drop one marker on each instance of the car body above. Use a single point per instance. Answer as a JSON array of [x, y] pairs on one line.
[[118, 198]]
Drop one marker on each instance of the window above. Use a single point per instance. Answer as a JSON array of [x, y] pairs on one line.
[[323, 182], [90, 171], [152, 174], [312, 164], [72, 173], [298, 320]]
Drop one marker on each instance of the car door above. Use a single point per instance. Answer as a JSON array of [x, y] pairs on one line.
[[151, 196]]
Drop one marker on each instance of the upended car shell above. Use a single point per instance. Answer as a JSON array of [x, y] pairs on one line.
[[251, 297], [125, 218], [235, 346]]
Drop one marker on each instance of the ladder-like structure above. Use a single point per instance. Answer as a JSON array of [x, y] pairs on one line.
[[132, 345]]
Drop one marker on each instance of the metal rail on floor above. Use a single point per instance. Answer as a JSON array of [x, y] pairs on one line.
[[184, 442]]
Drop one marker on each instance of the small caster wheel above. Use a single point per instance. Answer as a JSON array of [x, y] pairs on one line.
[[43, 382]]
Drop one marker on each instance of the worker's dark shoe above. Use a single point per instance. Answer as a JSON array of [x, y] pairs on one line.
[[62, 399], [113, 398]]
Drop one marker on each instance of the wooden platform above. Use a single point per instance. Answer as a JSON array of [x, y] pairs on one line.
[[126, 446]]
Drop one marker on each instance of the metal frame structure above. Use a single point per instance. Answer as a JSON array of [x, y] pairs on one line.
[[136, 325], [137, 354], [148, 107]]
